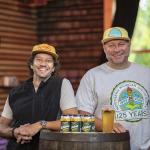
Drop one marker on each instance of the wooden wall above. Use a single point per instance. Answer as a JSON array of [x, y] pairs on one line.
[[17, 35], [75, 28]]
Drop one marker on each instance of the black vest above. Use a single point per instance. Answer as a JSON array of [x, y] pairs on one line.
[[29, 106]]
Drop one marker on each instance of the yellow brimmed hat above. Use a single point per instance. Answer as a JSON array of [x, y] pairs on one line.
[[45, 48], [115, 33]]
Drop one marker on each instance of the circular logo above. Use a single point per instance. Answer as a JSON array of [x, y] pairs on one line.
[[130, 101]]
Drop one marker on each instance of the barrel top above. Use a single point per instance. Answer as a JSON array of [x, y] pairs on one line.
[[84, 137]]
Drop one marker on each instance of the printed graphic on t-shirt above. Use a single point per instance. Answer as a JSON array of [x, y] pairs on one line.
[[130, 101]]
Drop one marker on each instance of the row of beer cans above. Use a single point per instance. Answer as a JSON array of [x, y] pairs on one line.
[[77, 123]]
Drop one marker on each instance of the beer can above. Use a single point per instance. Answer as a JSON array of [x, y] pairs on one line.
[[65, 123], [92, 123], [88, 123], [76, 123]]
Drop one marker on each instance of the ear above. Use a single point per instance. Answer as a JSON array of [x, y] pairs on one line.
[[103, 47], [53, 69], [31, 66]]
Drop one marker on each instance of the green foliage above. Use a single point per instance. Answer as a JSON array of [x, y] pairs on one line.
[[141, 36], [142, 58]]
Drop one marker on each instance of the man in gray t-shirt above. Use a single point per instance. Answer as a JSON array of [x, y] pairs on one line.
[[122, 84]]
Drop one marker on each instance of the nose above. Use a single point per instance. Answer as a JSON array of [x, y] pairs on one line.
[[43, 63], [117, 48]]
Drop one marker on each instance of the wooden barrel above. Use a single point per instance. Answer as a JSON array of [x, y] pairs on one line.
[[83, 141]]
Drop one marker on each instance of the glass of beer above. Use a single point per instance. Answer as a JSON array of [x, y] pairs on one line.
[[108, 114]]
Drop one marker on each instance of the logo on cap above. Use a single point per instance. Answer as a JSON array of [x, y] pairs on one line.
[[115, 32]]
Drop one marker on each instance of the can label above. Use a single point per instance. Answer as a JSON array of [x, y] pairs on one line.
[[75, 123], [92, 123], [88, 123], [65, 123]]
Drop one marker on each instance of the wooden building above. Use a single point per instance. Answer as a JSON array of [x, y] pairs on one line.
[[73, 27]]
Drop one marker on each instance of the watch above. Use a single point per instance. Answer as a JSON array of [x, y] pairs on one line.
[[43, 124]]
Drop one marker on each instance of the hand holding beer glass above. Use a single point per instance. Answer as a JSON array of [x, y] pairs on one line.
[[108, 114]]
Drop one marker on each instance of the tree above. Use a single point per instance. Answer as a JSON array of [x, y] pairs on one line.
[[141, 36]]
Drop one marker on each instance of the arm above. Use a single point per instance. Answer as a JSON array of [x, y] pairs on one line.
[[5, 129], [5, 121], [53, 125], [85, 97], [98, 124], [32, 129]]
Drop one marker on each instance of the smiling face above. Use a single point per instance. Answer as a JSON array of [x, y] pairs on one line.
[[43, 66], [117, 52]]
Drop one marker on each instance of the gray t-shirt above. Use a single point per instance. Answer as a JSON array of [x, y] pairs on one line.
[[67, 99], [128, 90]]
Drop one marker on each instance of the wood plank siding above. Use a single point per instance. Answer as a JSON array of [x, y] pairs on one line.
[[17, 35], [74, 27]]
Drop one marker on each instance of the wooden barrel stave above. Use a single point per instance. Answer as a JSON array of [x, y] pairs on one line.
[[84, 141]]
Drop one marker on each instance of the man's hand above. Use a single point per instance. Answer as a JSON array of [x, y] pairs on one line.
[[25, 132], [118, 128]]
